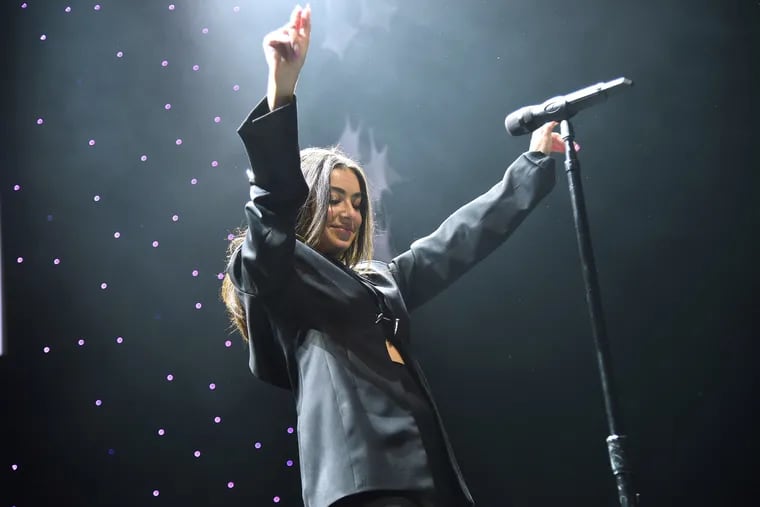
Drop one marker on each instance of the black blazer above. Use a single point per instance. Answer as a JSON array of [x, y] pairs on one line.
[[364, 422]]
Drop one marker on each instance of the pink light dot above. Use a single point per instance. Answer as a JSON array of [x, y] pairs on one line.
[[104, 285], [171, 7], [91, 142], [98, 402], [212, 386], [289, 463], [56, 261], [290, 430], [96, 198], [119, 54], [14, 467], [230, 237], [16, 188], [155, 244], [214, 163], [230, 485], [117, 235], [67, 9], [236, 88], [197, 454], [220, 276], [257, 445], [19, 260], [194, 181], [178, 142], [24, 5], [195, 272], [97, 7], [80, 342], [198, 306], [143, 158], [196, 68], [167, 106], [164, 63], [170, 377], [204, 31], [276, 499], [175, 218], [217, 419], [236, 9], [228, 343], [155, 492], [43, 37], [161, 432], [40, 121], [46, 350], [119, 339], [217, 119]]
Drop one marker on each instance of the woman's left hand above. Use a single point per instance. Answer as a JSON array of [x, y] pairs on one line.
[[545, 140]]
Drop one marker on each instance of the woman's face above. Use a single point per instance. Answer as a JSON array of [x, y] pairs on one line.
[[343, 215]]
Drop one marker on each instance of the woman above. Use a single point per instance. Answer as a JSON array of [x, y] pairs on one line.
[[325, 321]]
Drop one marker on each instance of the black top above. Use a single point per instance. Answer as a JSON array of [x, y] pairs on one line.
[[365, 422]]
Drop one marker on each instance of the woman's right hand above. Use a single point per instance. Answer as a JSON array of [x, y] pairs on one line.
[[285, 50]]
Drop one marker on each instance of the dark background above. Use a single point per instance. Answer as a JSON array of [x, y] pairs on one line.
[[670, 173]]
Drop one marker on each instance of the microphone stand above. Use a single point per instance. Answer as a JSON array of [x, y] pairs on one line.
[[616, 441]]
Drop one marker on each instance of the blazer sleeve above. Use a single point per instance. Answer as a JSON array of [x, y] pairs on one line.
[[473, 231], [277, 191]]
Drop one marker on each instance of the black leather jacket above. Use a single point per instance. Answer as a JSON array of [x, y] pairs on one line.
[[317, 328]]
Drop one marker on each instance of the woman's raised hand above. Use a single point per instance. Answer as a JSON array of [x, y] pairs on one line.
[[545, 140], [285, 50]]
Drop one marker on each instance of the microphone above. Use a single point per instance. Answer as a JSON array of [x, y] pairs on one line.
[[527, 119]]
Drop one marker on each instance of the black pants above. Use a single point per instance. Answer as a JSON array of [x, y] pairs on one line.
[[384, 499]]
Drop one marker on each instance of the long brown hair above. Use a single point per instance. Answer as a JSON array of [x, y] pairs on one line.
[[317, 165]]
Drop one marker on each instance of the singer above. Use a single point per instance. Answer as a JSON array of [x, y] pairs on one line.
[[324, 320]]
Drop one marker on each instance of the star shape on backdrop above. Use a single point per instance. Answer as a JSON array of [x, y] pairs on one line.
[[341, 29]]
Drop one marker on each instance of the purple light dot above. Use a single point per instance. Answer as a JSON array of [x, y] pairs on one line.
[[194, 181], [178, 142], [220, 276], [14, 467], [67, 9], [204, 31], [196, 68], [56, 261], [230, 237], [98, 402], [19, 260], [80, 342], [289, 463], [175, 218], [214, 163], [195, 272], [111, 452], [119, 339], [236, 88], [50, 218], [96, 198], [161, 432], [91, 142], [143, 158], [197, 454], [290, 430], [236, 9], [170, 377], [46, 350], [164, 63], [212, 386], [276, 499], [230, 485], [117, 235], [97, 7], [16, 188], [24, 5], [167, 106], [171, 7], [155, 492], [217, 119], [119, 54], [257, 445], [155, 244], [40, 121], [228, 343], [217, 419], [198, 306], [43, 37]]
